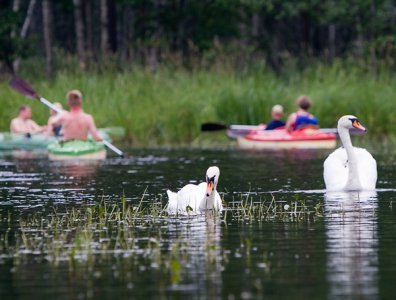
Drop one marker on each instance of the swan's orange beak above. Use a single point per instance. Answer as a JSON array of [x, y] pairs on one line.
[[209, 188], [357, 125]]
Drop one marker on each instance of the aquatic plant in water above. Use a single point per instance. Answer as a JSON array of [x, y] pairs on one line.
[[79, 234]]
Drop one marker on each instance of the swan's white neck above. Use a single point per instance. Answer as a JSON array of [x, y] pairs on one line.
[[208, 201], [353, 182]]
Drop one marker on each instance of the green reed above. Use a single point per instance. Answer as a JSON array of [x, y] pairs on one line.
[[77, 233], [169, 106]]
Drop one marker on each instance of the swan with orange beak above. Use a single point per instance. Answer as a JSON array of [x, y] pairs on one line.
[[197, 198], [349, 168]]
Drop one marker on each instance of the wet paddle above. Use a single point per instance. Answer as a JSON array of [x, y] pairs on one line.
[[24, 88], [240, 130]]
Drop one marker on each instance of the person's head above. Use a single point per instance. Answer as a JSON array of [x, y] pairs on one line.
[[304, 102], [53, 112], [74, 98], [277, 112], [25, 112]]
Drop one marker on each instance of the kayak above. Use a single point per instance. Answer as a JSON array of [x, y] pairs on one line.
[[10, 141], [306, 138], [87, 150]]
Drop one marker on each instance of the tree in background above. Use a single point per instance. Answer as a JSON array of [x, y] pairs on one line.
[[194, 33]]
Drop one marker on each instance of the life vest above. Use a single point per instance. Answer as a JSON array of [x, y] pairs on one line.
[[305, 120], [57, 130]]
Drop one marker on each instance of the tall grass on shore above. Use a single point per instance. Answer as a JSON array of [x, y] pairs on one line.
[[168, 107]]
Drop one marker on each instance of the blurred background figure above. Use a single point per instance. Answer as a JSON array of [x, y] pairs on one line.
[[23, 123], [276, 114]]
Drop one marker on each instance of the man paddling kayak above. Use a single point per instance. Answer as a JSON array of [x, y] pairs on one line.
[[23, 123], [76, 124]]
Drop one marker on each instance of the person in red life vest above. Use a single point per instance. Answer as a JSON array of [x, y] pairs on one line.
[[302, 118]]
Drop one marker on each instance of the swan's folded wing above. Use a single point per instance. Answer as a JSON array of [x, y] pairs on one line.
[[189, 197], [367, 169], [171, 207], [335, 170], [218, 205]]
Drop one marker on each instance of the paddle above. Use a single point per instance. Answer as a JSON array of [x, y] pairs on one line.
[[24, 88], [219, 126], [212, 126]]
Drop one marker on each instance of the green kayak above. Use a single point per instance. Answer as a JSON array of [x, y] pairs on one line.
[[9, 141], [89, 149]]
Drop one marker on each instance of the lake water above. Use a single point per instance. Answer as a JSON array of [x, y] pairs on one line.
[[52, 248]]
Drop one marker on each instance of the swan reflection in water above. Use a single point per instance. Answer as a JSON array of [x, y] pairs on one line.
[[352, 244], [199, 238]]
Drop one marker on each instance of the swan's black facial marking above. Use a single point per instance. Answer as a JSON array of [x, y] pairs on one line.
[[353, 120], [210, 179]]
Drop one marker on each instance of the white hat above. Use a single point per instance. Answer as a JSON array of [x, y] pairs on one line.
[[277, 109]]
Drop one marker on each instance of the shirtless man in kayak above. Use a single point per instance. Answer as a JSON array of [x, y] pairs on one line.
[[302, 118], [23, 123], [76, 124]]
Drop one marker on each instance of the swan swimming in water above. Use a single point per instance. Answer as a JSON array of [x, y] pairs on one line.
[[349, 168], [197, 198]]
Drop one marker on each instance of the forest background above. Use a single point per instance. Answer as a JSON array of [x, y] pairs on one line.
[[160, 68]]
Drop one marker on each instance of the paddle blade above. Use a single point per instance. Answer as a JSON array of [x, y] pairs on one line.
[[21, 86], [213, 127]]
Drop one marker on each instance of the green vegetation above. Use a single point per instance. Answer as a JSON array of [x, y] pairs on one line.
[[108, 228], [168, 107]]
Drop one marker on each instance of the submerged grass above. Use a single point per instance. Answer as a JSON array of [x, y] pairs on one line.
[[169, 106], [108, 228]]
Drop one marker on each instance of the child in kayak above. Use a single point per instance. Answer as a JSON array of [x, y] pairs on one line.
[[276, 122], [23, 123], [302, 118], [76, 124]]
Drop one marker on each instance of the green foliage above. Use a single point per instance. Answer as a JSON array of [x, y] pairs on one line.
[[168, 107]]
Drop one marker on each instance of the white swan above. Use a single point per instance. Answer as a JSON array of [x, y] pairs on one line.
[[196, 198], [349, 168]]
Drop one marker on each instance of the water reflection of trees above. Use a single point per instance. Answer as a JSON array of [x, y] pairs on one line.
[[352, 243]]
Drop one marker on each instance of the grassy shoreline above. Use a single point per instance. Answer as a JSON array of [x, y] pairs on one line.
[[168, 107]]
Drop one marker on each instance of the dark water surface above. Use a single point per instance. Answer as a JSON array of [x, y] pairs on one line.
[[347, 251]]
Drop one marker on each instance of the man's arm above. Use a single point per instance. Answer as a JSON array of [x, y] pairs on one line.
[[14, 126], [93, 130], [34, 127]]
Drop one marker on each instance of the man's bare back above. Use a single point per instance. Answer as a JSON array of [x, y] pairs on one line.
[[76, 124]]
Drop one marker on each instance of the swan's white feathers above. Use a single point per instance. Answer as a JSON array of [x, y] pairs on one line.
[[336, 167], [192, 198]]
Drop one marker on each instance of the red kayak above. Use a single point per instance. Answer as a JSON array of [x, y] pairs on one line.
[[306, 138]]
